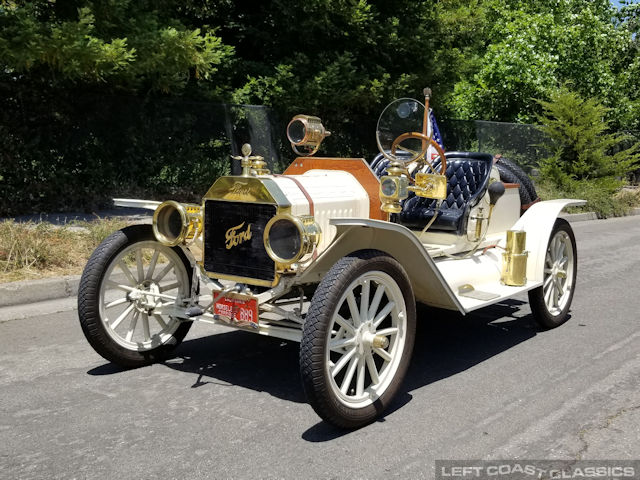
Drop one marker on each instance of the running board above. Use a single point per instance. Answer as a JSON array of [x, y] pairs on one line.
[[485, 288]]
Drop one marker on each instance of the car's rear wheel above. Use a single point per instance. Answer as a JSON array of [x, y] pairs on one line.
[[128, 278], [550, 302], [358, 338]]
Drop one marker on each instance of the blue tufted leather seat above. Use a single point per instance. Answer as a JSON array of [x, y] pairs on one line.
[[467, 180]]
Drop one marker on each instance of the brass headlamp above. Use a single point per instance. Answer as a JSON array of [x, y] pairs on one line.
[[307, 132], [175, 223], [288, 238]]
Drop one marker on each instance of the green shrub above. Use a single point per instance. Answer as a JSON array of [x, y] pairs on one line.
[[582, 147], [586, 161], [603, 196]]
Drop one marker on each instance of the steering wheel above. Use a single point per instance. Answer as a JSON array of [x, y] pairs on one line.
[[426, 141]]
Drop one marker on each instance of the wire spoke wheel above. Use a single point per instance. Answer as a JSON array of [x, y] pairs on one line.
[[550, 303], [357, 338], [128, 282]]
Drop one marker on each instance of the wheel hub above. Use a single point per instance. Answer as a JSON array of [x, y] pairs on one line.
[[366, 338], [558, 272], [145, 297]]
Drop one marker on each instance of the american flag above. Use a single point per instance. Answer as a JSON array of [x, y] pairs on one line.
[[434, 128]]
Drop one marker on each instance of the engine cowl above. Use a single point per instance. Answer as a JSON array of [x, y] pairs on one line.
[[334, 194]]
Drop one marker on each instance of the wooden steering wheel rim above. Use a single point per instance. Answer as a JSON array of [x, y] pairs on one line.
[[429, 141]]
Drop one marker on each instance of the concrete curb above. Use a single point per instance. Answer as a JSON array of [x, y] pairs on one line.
[[581, 217], [578, 217], [33, 291]]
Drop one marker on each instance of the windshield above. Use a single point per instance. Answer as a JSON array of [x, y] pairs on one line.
[[401, 116]]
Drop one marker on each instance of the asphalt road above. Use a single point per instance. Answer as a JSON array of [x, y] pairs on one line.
[[230, 404]]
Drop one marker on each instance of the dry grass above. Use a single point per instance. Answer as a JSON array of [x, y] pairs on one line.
[[39, 250]]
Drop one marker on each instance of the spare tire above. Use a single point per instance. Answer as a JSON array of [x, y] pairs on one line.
[[512, 173]]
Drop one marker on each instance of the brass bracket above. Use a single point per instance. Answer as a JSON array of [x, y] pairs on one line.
[[430, 185]]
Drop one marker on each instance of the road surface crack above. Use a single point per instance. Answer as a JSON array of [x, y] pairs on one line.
[[582, 434]]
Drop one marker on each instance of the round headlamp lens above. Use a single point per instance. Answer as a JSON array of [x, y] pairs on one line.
[[296, 131], [388, 187], [284, 239], [174, 223]]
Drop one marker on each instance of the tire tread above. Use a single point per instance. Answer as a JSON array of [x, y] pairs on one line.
[[89, 298], [536, 296], [312, 354]]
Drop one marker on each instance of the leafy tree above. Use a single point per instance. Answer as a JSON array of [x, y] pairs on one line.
[[121, 44], [341, 60], [628, 18], [537, 46]]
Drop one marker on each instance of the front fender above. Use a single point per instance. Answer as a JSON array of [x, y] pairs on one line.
[[538, 222], [396, 240]]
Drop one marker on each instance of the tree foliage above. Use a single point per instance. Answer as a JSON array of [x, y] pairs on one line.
[[583, 149], [484, 59], [537, 46], [340, 59], [121, 44]]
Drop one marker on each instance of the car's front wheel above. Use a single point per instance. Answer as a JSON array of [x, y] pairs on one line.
[[126, 282], [358, 338]]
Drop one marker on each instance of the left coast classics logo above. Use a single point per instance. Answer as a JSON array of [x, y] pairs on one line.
[[235, 235]]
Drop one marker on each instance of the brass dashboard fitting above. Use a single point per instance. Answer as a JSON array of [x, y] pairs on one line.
[[514, 259], [430, 185]]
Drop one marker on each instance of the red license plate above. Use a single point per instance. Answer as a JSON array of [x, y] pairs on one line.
[[239, 311]]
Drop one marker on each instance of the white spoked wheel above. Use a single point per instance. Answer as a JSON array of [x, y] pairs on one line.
[[362, 319], [366, 339], [558, 273], [141, 278], [128, 282], [550, 303]]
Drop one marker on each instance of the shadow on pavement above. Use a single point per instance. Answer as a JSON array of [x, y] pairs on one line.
[[106, 369], [252, 361], [446, 344]]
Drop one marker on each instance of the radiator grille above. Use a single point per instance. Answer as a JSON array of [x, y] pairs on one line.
[[248, 257]]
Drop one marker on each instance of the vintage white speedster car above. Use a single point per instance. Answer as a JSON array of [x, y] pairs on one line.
[[333, 254]]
